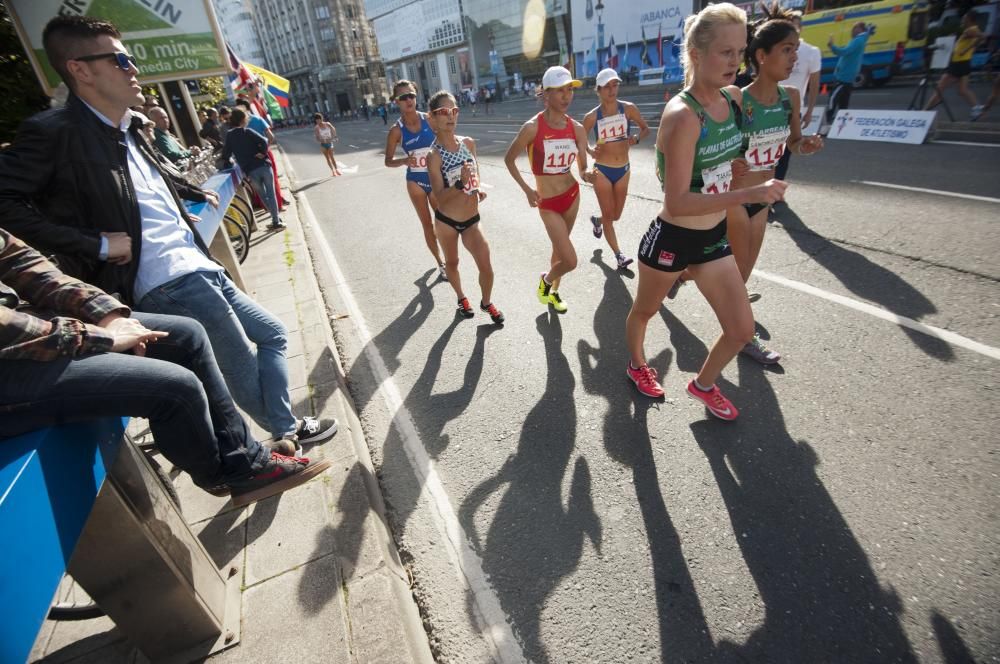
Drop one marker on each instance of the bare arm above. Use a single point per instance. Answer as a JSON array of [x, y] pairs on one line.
[[582, 148], [681, 135], [391, 141], [797, 143], [589, 120], [520, 143], [633, 113]]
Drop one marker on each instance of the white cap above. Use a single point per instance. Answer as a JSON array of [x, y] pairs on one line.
[[606, 76], [557, 77]]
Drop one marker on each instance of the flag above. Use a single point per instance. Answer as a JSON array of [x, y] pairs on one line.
[[275, 85], [644, 53], [612, 54], [241, 76], [273, 107], [659, 44]]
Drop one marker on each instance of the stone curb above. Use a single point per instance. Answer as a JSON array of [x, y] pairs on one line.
[[413, 627]]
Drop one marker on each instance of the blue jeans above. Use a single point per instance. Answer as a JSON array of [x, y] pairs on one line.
[[249, 343], [177, 386], [263, 182]]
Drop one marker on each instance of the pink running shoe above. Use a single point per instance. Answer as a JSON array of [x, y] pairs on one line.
[[645, 380], [717, 404]]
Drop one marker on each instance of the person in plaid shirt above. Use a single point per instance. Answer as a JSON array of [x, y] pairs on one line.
[[70, 352]]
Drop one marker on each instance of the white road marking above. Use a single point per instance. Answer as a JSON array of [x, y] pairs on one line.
[[498, 131], [977, 145], [939, 192], [493, 621], [499, 140], [354, 146], [350, 169], [878, 312]]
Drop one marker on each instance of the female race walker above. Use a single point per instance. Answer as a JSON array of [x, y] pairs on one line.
[[553, 141], [416, 136], [454, 175], [770, 126], [611, 122], [325, 135], [699, 138]]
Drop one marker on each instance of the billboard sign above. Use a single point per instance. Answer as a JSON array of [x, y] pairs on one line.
[[419, 27], [640, 34], [170, 39]]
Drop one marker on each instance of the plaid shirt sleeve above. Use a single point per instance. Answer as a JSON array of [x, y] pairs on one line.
[[25, 336]]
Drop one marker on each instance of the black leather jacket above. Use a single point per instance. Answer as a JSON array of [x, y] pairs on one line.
[[65, 180]]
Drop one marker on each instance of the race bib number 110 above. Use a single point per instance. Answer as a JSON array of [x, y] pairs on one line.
[[560, 153]]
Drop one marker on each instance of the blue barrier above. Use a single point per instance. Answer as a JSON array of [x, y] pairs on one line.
[[48, 482]]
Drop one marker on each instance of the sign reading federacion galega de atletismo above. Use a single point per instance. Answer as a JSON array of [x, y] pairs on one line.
[[170, 39], [888, 126]]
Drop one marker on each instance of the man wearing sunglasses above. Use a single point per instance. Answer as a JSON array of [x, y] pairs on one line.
[[81, 182]]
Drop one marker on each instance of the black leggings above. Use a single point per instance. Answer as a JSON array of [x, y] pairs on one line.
[[840, 98]]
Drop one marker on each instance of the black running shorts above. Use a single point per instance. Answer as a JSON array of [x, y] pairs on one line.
[[671, 248]]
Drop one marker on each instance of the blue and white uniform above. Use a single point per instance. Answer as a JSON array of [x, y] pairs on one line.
[[418, 145], [612, 129]]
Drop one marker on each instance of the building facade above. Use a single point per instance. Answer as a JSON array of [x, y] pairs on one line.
[[461, 44], [326, 49], [236, 21]]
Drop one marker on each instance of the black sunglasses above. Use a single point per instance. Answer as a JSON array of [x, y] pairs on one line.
[[123, 60], [408, 95]]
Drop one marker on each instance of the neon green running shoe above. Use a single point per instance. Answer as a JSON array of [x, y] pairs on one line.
[[557, 302], [543, 290]]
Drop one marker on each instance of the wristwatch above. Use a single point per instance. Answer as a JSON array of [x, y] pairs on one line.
[[458, 184]]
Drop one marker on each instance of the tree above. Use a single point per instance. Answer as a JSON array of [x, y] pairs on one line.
[[22, 95]]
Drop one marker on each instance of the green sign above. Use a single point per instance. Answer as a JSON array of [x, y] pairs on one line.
[[170, 39]]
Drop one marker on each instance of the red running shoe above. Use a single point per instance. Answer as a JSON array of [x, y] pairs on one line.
[[717, 404], [494, 313], [465, 309], [645, 380]]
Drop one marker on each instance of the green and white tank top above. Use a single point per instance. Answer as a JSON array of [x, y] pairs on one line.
[[765, 130], [718, 144]]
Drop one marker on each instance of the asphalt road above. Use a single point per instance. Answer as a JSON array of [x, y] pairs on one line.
[[552, 514]]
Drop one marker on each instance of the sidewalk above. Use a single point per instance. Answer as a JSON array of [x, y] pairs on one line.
[[322, 580]]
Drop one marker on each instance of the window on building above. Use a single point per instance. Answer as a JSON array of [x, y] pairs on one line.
[[322, 11], [349, 9], [362, 73], [434, 68], [355, 31], [327, 34], [451, 64]]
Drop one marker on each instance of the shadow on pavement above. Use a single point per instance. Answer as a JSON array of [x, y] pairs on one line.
[[533, 541], [867, 280], [388, 343], [953, 648], [817, 585], [684, 634]]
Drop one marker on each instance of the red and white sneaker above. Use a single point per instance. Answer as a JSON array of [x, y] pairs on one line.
[[717, 404], [645, 380]]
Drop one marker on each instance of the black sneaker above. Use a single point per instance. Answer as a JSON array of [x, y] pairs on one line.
[[494, 313], [279, 474], [313, 430], [277, 227], [465, 309]]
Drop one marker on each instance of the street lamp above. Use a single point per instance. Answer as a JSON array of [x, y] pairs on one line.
[[600, 31]]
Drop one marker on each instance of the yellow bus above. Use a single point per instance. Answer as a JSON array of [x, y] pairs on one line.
[[897, 43]]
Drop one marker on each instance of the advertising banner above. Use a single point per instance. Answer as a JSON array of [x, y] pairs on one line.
[[171, 39], [632, 34], [888, 126]]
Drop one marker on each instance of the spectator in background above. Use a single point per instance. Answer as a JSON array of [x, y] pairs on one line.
[[960, 66], [847, 70], [210, 128], [82, 183], [71, 353], [164, 141], [223, 123], [259, 125], [250, 150], [805, 78]]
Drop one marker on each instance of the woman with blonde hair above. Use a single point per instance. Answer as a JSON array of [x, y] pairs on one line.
[[698, 138]]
